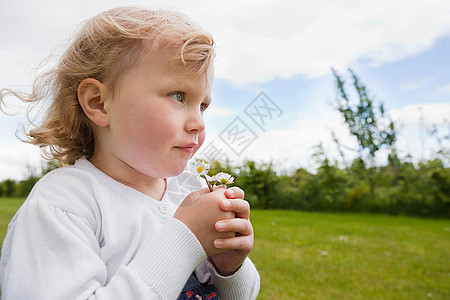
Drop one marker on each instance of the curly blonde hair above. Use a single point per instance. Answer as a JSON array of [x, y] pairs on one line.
[[105, 48]]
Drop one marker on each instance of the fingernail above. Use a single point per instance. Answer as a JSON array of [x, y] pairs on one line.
[[220, 225], [218, 243], [226, 204], [230, 193]]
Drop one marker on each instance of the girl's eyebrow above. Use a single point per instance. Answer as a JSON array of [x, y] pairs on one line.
[[171, 83]]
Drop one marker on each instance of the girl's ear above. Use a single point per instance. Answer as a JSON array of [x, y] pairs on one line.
[[91, 96]]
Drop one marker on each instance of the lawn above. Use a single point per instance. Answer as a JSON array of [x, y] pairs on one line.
[[303, 255], [8, 207]]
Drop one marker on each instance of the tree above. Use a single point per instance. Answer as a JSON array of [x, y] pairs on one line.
[[442, 138], [366, 121], [260, 183], [49, 166], [331, 181], [8, 187]]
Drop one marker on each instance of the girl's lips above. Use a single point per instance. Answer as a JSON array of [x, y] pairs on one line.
[[190, 148]]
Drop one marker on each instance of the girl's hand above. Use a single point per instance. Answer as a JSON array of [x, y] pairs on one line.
[[200, 211], [239, 246]]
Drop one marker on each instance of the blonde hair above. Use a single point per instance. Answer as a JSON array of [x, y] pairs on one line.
[[105, 48]]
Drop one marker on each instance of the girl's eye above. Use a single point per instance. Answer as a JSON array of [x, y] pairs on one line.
[[203, 107], [177, 96]]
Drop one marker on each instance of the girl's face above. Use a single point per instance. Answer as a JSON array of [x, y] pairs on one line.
[[156, 118]]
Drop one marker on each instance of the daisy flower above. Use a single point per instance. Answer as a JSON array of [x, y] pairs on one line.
[[222, 178], [201, 168]]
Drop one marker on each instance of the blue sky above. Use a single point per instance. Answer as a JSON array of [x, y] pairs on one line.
[[410, 88], [285, 49]]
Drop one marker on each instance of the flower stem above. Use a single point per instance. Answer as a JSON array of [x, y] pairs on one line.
[[209, 185]]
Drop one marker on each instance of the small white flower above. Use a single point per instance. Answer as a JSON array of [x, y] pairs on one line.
[[222, 178], [200, 168], [343, 238]]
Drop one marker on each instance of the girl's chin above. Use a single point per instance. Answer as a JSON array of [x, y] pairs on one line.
[[166, 172], [177, 170]]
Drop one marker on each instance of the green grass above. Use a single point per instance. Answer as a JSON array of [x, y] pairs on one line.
[[302, 255], [8, 207]]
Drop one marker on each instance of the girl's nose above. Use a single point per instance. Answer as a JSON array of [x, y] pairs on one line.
[[195, 122]]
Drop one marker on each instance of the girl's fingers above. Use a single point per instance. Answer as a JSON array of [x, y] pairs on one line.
[[242, 243], [239, 206], [234, 193], [240, 226]]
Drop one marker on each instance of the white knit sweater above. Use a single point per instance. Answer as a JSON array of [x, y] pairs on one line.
[[82, 235]]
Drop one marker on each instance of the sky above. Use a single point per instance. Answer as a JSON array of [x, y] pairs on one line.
[[274, 93]]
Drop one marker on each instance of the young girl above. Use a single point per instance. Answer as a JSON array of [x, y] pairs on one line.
[[123, 220]]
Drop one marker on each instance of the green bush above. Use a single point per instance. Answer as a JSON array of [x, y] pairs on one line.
[[399, 187]]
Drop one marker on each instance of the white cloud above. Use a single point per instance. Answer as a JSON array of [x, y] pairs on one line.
[[15, 157], [217, 111], [289, 37], [424, 115], [257, 40], [288, 148], [415, 123]]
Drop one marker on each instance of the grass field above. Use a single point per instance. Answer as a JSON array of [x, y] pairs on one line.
[[8, 207], [351, 256], [304, 255]]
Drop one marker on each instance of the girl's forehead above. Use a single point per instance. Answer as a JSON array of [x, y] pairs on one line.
[[166, 60], [173, 56]]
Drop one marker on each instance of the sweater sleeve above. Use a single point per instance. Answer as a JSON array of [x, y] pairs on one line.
[[50, 253], [244, 284]]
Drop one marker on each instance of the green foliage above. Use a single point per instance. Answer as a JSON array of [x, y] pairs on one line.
[[442, 137], [401, 187], [24, 187], [260, 182], [49, 166], [13, 188], [7, 188], [366, 120]]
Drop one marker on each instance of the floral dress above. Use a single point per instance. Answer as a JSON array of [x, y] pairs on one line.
[[195, 290]]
